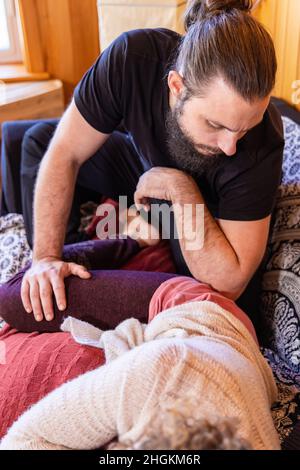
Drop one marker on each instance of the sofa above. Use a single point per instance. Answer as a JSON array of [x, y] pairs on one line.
[[31, 365]]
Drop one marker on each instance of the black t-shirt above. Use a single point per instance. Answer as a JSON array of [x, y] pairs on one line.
[[127, 86]]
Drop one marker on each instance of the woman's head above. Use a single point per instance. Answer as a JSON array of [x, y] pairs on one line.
[[220, 81], [178, 426]]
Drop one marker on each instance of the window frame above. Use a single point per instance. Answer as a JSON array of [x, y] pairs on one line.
[[14, 53]]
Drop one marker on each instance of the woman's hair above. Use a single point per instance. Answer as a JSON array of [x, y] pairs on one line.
[[223, 39], [176, 426]]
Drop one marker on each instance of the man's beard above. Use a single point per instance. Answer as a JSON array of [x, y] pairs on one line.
[[183, 152]]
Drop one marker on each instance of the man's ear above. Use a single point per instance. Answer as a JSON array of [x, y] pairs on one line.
[[175, 83]]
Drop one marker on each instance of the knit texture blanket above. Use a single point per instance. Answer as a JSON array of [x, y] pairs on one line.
[[196, 349]]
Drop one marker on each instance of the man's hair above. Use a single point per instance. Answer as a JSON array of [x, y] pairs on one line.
[[223, 40], [176, 426]]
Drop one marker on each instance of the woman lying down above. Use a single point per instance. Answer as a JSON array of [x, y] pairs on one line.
[[183, 368]]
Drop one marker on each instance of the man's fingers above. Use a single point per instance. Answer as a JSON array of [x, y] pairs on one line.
[[25, 289], [80, 271], [46, 298], [35, 301], [44, 280], [137, 201], [141, 201], [59, 290]]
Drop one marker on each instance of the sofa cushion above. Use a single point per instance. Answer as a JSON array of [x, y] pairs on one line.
[[14, 249], [280, 298]]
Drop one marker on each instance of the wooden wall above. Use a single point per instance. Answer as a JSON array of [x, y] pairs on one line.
[[282, 19], [61, 37]]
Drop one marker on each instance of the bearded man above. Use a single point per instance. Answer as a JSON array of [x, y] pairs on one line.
[[159, 116]]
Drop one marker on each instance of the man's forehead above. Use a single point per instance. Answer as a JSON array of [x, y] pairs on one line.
[[236, 119], [222, 105]]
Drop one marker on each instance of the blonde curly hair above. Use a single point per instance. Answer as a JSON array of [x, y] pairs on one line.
[[176, 426]]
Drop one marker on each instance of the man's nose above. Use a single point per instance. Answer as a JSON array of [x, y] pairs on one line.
[[228, 144]]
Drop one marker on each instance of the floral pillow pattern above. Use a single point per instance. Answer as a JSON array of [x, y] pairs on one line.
[[280, 298]]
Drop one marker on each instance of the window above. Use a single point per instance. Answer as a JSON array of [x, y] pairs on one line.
[[10, 50]]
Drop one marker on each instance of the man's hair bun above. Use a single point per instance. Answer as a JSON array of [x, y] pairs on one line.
[[199, 10]]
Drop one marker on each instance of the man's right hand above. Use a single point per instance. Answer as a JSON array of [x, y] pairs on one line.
[[42, 280]]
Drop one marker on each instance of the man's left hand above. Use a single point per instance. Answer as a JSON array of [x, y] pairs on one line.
[[160, 183]]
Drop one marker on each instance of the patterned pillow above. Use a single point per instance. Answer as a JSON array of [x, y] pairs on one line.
[[291, 159], [14, 249], [280, 298]]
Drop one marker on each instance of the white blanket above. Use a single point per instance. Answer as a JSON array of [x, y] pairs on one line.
[[196, 349]]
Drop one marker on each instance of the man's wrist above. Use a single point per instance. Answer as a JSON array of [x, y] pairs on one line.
[[45, 257], [185, 191]]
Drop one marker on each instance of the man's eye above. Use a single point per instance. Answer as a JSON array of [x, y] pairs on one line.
[[212, 126]]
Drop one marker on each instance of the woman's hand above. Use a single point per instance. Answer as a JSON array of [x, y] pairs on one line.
[[136, 227]]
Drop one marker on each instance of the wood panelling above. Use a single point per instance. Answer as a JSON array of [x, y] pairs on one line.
[[34, 56], [12, 73], [31, 100], [74, 35], [62, 38], [68, 38], [282, 19]]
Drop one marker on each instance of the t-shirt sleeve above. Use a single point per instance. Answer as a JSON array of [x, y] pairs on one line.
[[252, 194], [98, 96]]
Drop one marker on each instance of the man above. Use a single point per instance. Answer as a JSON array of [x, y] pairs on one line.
[[199, 130]]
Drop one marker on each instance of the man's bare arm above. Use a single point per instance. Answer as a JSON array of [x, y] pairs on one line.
[[231, 251], [73, 143], [222, 253]]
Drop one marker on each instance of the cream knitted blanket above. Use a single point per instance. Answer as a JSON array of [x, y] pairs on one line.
[[195, 348]]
